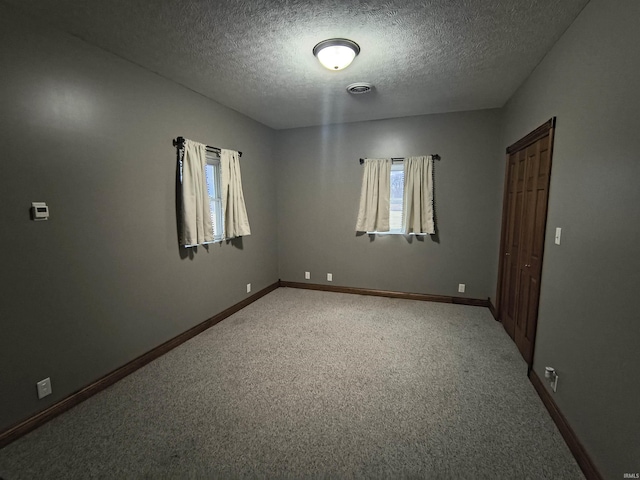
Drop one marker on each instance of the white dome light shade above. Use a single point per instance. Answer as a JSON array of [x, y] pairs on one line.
[[336, 53], [336, 57]]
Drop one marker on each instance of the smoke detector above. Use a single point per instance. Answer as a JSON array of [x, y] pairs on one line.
[[359, 88]]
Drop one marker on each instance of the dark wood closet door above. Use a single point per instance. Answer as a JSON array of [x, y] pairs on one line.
[[533, 230], [515, 203], [523, 231]]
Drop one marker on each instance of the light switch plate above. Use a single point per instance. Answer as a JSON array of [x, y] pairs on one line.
[[558, 235]]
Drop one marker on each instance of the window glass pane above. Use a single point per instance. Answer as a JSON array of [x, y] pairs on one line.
[[208, 170], [212, 207], [214, 184], [209, 174], [397, 197], [212, 173]]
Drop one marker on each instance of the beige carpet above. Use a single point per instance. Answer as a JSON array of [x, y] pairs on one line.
[[307, 384]]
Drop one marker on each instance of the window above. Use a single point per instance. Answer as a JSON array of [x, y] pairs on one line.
[[212, 173], [397, 198], [385, 189]]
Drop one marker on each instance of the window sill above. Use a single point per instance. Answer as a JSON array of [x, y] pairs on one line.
[[203, 243], [398, 233]]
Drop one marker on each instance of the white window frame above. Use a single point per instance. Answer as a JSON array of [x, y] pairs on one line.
[[215, 200]]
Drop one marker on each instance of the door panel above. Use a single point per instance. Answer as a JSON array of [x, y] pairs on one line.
[[528, 170], [516, 173], [532, 313], [537, 244]]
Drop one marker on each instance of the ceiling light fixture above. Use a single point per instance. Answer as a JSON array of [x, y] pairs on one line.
[[336, 53]]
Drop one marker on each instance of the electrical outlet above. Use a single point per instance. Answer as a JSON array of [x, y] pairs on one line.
[[329, 277], [44, 388], [248, 288], [307, 275], [461, 287]]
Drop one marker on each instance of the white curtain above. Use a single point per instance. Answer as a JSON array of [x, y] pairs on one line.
[[236, 222], [417, 214], [373, 214], [196, 214]]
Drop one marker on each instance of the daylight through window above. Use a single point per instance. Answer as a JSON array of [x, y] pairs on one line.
[[397, 198], [212, 172]]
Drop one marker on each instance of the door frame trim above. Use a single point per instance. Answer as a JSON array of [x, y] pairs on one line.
[[547, 128], [533, 137]]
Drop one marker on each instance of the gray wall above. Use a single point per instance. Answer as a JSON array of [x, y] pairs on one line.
[[103, 280], [589, 327], [319, 179]]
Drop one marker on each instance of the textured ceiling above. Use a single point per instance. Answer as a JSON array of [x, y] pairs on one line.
[[254, 56]]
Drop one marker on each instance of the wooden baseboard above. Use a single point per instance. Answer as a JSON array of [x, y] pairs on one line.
[[386, 293], [582, 457], [493, 310], [13, 433]]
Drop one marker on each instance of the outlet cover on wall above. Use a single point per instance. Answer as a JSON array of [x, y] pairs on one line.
[[248, 288], [307, 275], [461, 287], [329, 277], [44, 387]]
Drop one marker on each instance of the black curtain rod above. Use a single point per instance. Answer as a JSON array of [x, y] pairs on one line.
[[435, 156], [179, 144]]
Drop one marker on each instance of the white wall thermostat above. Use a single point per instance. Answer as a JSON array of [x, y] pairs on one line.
[[39, 211]]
